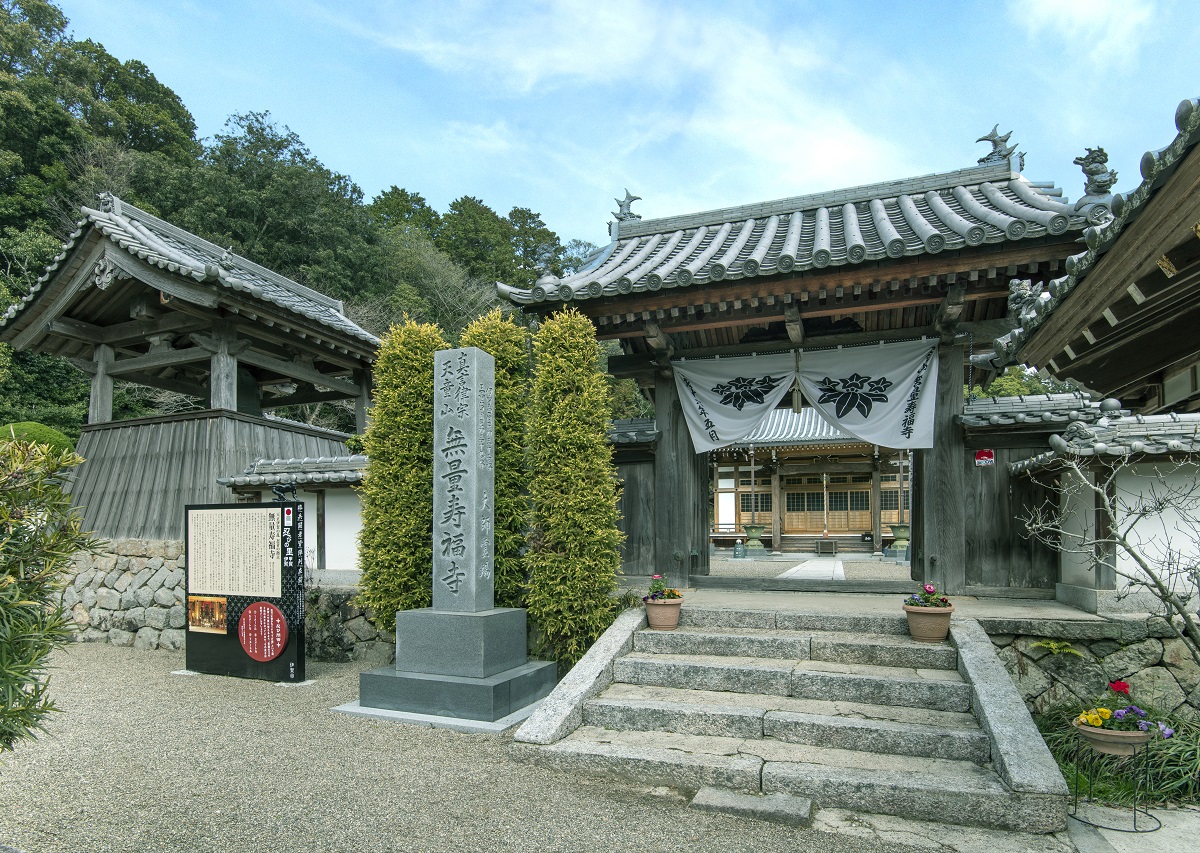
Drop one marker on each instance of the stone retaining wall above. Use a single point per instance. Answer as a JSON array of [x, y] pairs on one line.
[[336, 629], [1157, 666], [130, 594]]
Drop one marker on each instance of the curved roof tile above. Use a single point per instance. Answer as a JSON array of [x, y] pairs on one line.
[[170, 248], [990, 203]]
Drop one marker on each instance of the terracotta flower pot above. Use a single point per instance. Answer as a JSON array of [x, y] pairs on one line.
[[928, 624], [663, 614], [1112, 742]]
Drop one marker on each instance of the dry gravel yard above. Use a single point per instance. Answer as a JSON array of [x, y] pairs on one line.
[[143, 760]]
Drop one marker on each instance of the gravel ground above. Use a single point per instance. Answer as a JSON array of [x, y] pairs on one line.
[[874, 570], [143, 760]]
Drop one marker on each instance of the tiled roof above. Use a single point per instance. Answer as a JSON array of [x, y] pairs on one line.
[[989, 203], [1035, 409], [633, 431], [785, 427], [328, 470], [1156, 167], [175, 250], [1119, 436]]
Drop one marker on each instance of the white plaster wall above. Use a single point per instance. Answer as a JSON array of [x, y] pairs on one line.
[[1076, 506], [1170, 535], [343, 521]]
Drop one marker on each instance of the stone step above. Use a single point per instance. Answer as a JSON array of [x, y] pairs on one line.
[[947, 791], [878, 649], [950, 791], [738, 642], [786, 620], [937, 689], [846, 725]]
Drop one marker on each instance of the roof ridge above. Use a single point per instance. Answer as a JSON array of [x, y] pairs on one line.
[[1002, 170], [122, 208]]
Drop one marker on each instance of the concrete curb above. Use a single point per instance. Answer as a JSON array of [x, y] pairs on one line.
[[1019, 755], [561, 712]]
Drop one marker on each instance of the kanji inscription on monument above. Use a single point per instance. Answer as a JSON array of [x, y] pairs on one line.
[[463, 480]]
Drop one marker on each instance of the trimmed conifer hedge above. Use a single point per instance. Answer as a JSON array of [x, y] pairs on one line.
[[40, 433], [574, 542], [506, 342], [396, 541]]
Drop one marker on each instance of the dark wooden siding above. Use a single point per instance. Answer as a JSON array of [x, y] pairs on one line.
[[998, 555], [138, 475], [637, 512]]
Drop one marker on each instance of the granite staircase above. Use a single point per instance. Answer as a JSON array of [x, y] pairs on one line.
[[847, 712]]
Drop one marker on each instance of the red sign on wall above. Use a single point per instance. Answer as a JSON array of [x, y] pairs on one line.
[[263, 631], [985, 457]]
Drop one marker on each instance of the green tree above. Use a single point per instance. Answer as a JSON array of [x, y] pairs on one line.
[[576, 255], [396, 541], [397, 207], [506, 342], [478, 240], [38, 534], [1019, 380], [574, 543], [536, 249]]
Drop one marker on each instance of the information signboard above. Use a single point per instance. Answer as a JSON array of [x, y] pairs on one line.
[[245, 589]]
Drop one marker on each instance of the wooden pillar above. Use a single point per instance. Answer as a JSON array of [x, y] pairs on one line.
[[876, 507], [100, 402], [222, 373], [939, 514], [776, 510], [362, 403], [680, 492]]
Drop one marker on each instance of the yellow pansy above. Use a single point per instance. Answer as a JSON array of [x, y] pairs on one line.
[[1104, 713]]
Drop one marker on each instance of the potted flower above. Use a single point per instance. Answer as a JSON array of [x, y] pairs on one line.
[[662, 605], [928, 614], [1118, 730]]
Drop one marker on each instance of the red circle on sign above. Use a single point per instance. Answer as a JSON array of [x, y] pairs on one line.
[[263, 631]]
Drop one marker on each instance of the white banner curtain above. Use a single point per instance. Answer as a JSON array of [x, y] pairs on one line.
[[724, 399], [883, 394]]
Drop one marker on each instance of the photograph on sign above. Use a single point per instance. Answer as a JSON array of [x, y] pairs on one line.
[[246, 590], [207, 613]]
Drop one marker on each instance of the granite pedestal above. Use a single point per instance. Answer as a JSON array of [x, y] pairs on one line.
[[459, 664]]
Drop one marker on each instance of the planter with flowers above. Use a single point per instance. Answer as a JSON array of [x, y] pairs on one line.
[[662, 605], [928, 614], [1118, 730]]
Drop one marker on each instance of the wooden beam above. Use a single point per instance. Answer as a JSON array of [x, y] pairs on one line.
[[157, 360], [795, 326], [175, 384], [303, 397], [299, 371], [949, 312]]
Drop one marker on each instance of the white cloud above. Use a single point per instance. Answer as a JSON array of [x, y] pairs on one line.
[[1105, 31]]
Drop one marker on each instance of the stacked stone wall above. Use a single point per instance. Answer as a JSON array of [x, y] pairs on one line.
[[131, 593], [1052, 669], [336, 629]]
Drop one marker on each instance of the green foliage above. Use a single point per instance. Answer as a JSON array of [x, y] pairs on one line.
[[574, 542], [38, 534], [506, 342], [396, 207], [478, 239], [396, 541], [1017, 381], [1173, 764], [1057, 647], [536, 249], [40, 433], [355, 444]]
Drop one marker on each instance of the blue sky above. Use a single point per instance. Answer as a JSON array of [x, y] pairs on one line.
[[559, 106]]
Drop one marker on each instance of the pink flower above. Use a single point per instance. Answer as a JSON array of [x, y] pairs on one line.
[[930, 588], [656, 577]]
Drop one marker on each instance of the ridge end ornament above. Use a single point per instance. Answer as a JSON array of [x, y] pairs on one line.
[[1001, 150], [623, 212], [1097, 185]]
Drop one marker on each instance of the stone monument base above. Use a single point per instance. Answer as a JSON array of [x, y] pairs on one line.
[[459, 664]]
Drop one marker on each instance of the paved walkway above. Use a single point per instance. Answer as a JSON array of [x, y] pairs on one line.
[[821, 569]]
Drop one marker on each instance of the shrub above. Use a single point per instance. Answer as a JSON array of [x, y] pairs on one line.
[[38, 534], [42, 434], [573, 556], [501, 338], [396, 541]]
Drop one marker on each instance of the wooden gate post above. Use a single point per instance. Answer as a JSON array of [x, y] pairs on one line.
[[680, 492], [939, 552]]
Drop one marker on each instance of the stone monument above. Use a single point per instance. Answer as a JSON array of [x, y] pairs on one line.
[[463, 657]]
